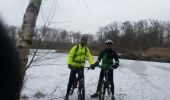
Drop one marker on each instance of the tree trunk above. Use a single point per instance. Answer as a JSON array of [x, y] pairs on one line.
[[24, 40]]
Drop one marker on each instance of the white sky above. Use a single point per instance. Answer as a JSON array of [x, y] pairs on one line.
[[87, 15]]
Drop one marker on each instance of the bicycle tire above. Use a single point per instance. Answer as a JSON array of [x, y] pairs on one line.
[[81, 91], [81, 96], [102, 91], [108, 88], [72, 89]]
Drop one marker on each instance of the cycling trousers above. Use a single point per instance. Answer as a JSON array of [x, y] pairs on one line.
[[110, 78], [73, 77]]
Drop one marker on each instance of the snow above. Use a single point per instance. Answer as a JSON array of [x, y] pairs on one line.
[[134, 80]]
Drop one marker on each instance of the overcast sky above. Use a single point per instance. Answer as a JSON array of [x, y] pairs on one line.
[[86, 15]]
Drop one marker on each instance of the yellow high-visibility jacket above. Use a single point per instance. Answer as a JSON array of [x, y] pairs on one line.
[[79, 60]]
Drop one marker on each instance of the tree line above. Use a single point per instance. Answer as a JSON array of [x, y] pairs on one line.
[[127, 36], [139, 35]]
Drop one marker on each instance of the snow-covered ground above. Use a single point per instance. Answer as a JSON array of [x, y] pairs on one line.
[[134, 80]]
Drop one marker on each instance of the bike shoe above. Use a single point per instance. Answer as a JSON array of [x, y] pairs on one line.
[[66, 97], [95, 95], [113, 98]]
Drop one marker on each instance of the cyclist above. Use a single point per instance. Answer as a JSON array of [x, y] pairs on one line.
[[107, 55], [76, 62]]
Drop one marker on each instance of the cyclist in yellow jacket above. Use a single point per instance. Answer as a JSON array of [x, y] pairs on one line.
[[76, 62]]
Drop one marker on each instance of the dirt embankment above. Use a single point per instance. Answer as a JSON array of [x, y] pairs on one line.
[[152, 54]]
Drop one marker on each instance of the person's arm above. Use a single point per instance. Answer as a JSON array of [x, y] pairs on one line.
[[116, 57], [89, 57], [116, 60], [100, 57], [71, 54]]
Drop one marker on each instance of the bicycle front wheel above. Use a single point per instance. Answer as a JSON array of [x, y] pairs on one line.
[[81, 91], [102, 91]]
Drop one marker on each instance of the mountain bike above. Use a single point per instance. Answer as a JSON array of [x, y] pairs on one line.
[[105, 86], [79, 84]]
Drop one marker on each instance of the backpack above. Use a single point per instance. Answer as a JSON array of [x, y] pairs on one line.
[[77, 50]]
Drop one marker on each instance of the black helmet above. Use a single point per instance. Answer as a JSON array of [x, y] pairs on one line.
[[84, 38], [108, 41]]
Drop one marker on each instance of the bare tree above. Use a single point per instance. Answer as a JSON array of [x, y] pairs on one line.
[[129, 36], [167, 37], [76, 37], [100, 34], [112, 32], [140, 29], [24, 40]]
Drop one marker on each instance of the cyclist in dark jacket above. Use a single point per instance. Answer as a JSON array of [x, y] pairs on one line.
[[107, 55]]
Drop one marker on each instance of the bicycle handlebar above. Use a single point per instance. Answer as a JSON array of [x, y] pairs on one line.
[[99, 66]]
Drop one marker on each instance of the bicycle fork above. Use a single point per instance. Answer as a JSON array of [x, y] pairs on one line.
[[81, 90]]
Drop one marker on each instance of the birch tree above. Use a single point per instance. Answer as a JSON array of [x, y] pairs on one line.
[[26, 33]]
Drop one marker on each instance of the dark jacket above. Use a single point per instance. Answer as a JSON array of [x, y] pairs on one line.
[[107, 56]]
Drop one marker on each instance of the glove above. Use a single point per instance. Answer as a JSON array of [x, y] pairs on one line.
[[70, 66], [92, 66], [96, 63], [115, 66]]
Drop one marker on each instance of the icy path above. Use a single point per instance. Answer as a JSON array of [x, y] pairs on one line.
[[134, 80]]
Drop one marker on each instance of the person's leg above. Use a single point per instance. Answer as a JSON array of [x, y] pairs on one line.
[[110, 77], [100, 80], [71, 80], [99, 84]]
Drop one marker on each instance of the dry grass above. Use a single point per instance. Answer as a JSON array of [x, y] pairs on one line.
[[161, 52], [95, 53], [155, 51]]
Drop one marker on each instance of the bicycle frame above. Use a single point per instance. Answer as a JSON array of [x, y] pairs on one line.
[[104, 86], [81, 88]]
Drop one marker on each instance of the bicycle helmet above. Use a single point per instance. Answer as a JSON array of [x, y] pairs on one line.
[[108, 41]]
